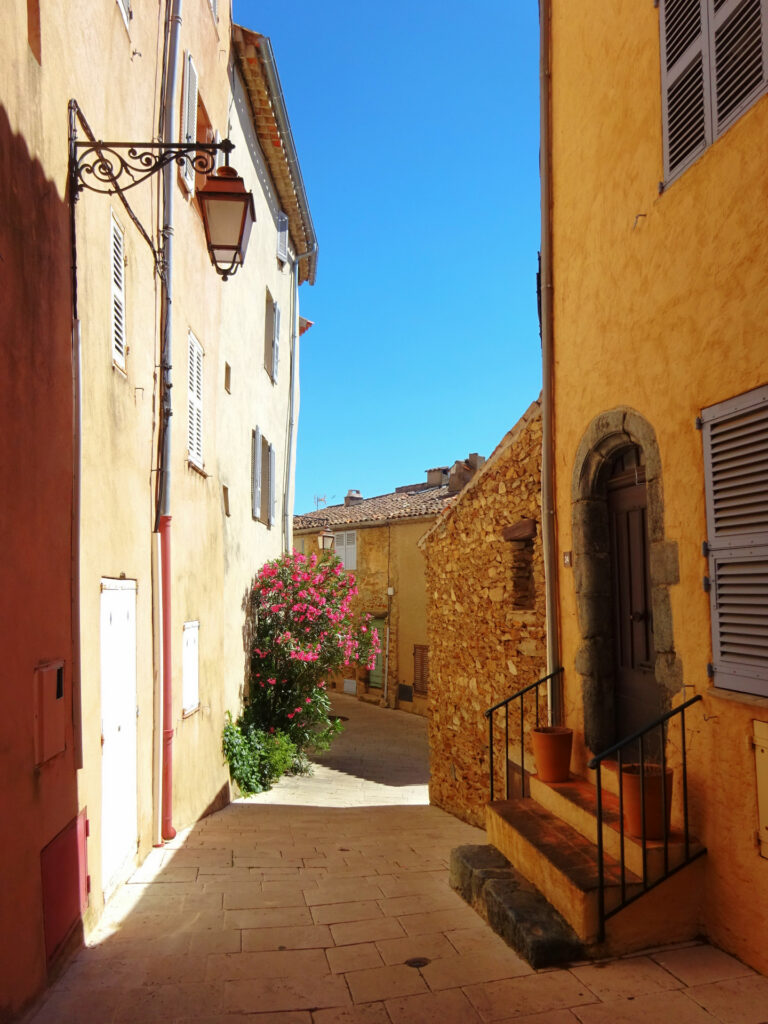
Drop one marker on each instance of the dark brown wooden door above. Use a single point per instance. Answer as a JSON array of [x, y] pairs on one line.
[[636, 692]]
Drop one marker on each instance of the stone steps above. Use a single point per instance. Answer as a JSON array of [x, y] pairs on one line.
[[557, 859]]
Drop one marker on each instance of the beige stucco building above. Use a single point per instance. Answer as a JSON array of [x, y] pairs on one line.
[[150, 415], [377, 539]]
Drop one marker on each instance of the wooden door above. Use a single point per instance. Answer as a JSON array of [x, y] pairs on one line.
[[119, 810], [637, 700]]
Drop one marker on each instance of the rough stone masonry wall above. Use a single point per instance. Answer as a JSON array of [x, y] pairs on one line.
[[485, 619]]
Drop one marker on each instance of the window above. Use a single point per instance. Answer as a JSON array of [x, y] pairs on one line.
[[713, 66], [124, 6], [228, 378], [735, 436], [420, 668], [345, 546], [195, 401], [190, 668], [189, 117], [118, 293], [263, 492], [282, 237], [271, 337]]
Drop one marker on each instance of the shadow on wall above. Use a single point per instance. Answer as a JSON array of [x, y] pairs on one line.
[[44, 853]]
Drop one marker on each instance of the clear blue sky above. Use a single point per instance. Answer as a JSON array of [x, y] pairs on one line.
[[416, 126]]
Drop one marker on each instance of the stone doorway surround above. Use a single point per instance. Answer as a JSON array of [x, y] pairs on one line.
[[605, 437]]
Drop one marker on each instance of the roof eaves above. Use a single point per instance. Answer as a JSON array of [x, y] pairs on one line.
[[257, 66]]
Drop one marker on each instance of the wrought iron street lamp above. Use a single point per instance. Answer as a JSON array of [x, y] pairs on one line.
[[228, 216], [114, 167], [326, 540]]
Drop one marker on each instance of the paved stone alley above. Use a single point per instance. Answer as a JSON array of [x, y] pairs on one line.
[[303, 906]]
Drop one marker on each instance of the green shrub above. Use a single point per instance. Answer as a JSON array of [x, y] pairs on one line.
[[257, 758]]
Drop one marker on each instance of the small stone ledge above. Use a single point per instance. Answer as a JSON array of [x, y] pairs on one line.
[[514, 908]]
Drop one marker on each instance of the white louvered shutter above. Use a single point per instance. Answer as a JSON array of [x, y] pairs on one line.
[[189, 116], [125, 10], [735, 436], [256, 477], [738, 46], [350, 558], [685, 80], [282, 237], [275, 341], [118, 293], [272, 488], [195, 401]]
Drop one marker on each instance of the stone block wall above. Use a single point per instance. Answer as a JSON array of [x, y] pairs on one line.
[[485, 619]]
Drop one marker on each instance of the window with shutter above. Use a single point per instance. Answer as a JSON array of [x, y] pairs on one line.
[[269, 334], [713, 66], [266, 493], [345, 547], [735, 437], [256, 474], [189, 117], [117, 269], [125, 9], [275, 340], [420, 668], [282, 237], [272, 488], [190, 667], [195, 401]]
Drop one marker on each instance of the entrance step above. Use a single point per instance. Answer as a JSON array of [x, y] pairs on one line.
[[558, 860], [575, 802], [514, 908]]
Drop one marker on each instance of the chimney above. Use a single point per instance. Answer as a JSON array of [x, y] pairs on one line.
[[438, 476], [352, 497]]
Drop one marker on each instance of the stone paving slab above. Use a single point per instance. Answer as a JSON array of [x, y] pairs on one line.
[[305, 905]]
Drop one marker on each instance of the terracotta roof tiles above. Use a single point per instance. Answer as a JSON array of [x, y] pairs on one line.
[[400, 504]]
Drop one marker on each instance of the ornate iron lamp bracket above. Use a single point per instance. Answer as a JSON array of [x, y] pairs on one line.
[[110, 167]]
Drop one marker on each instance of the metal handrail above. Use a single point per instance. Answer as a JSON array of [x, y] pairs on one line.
[[505, 704], [596, 764]]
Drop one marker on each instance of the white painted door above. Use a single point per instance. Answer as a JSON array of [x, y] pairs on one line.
[[119, 810]]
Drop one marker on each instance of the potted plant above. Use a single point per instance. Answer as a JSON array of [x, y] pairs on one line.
[[552, 751], [657, 799]]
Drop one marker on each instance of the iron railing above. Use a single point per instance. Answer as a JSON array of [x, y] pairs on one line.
[[505, 704], [637, 743]]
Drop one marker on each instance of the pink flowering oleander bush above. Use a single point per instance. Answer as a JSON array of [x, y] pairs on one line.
[[302, 630]]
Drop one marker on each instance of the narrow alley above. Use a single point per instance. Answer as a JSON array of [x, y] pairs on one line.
[[326, 901]]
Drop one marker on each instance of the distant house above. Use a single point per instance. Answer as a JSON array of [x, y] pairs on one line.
[[485, 613], [377, 539]]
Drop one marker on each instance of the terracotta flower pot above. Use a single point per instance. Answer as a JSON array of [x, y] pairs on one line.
[[552, 751], [654, 800]]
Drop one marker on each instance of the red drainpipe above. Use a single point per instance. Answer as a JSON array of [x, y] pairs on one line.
[[169, 831]]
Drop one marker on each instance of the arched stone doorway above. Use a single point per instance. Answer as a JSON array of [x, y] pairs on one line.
[[623, 568]]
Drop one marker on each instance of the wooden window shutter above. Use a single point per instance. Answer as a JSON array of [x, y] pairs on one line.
[[189, 117], [272, 488], [735, 437], [269, 334], [338, 546], [350, 557], [739, 47], [275, 340], [118, 293], [420, 668], [125, 10], [195, 401], [685, 77], [282, 237], [256, 474]]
